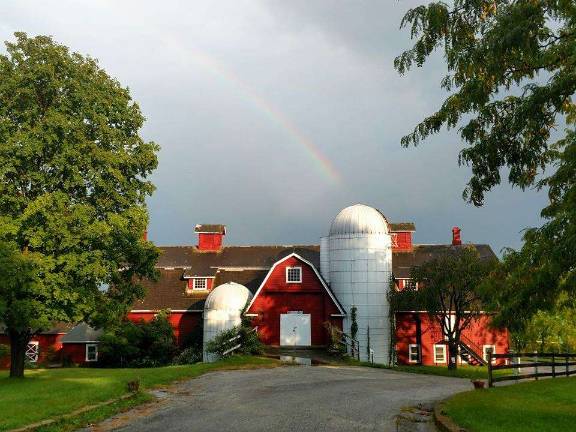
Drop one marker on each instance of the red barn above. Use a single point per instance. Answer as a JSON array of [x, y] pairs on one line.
[[296, 290]]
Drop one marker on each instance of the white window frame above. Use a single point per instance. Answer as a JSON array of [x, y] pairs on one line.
[[37, 345], [88, 359], [410, 348], [195, 288], [299, 271], [485, 352], [443, 346]]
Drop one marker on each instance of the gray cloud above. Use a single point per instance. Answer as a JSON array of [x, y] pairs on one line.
[[233, 90]]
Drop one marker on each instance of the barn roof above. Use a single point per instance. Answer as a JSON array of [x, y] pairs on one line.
[[248, 265], [205, 263], [251, 279], [169, 291], [402, 226], [210, 228], [82, 333], [403, 262]]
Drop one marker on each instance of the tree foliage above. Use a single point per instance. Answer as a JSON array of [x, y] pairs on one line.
[[141, 344], [243, 334], [449, 288], [73, 184], [511, 77], [549, 331]]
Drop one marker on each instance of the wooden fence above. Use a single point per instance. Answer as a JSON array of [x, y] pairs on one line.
[[542, 365]]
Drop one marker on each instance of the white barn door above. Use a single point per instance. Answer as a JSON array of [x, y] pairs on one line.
[[295, 329]]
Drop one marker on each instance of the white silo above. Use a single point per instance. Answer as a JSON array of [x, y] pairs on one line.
[[222, 311], [360, 257]]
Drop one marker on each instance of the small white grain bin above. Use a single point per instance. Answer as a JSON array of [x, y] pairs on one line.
[[222, 311]]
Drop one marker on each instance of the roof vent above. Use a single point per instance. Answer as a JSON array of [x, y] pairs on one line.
[[210, 236]]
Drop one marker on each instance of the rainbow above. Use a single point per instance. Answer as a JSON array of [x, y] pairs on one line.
[[324, 165]]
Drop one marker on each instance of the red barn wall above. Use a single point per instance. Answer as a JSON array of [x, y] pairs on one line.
[[209, 284], [75, 353], [182, 322], [46, 342], [210, 241], [278, 297], [479, 332], [403, 241]]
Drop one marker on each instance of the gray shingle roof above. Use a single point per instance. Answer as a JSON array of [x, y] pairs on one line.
[[82, 333]]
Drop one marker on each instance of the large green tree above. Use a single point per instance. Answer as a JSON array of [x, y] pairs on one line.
[[73, 183], [511, 78]]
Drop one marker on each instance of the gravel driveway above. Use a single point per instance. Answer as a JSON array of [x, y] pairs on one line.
[[319, 398]]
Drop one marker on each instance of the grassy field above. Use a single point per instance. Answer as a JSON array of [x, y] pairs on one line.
[[49, 393], [545, 405]]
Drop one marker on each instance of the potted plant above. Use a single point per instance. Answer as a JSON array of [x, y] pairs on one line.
[[478, 384]]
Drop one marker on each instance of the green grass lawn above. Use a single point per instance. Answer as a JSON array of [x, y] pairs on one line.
[[49, 393], [539, 406]]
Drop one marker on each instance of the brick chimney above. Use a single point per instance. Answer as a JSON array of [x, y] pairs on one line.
[[456, 241], [210, 236], [145, 236]]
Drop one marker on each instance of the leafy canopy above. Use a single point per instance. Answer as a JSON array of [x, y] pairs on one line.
[[511, 77], [73, 183]]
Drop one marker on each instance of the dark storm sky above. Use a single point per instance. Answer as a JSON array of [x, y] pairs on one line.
[[274, 115]]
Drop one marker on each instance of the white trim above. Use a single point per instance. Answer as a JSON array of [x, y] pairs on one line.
[[443, 346], [293, 254], [81, 342], [37, 345], [337, 315], [251, 315], [196, 279], [410, 346], [95, 345], [236, 268], [485, 354], [299, 268]]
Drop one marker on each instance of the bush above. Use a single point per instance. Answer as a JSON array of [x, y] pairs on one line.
[[142, 344], [188, 355], [249, 341]]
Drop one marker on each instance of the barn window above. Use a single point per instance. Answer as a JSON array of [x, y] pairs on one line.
[[199, 284], [91, 352], [293, 274], [486, 349], [413, 353], [32, 351], [439, 353]]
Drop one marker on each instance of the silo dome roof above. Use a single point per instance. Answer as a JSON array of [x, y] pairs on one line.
[[230, 296], [359, 219]]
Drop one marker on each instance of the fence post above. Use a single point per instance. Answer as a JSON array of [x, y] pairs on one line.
[[536, 365], [567, 367], [490, 380], [553, 366]]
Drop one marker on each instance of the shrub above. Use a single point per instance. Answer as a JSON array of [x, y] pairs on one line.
[[249, 341], [188, 355], [142, 344]]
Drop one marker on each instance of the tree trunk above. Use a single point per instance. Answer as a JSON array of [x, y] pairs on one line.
[[452, 355], [18, 344]]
